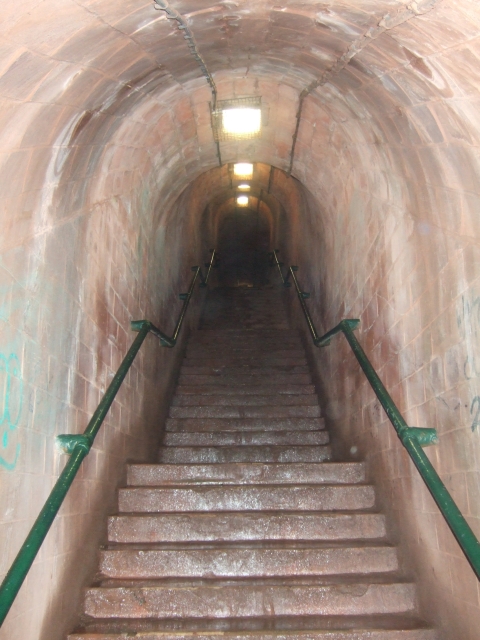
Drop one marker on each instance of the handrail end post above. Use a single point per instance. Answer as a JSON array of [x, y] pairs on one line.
[[138, 325], [351, 323]]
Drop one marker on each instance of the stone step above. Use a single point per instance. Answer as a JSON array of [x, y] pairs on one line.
[[255, 362], [257, 389], [231, 322], [225, 352], [233, 526], [144, 475], [246, 379], [244, 424], [272, 338], [241, 332], [244, 598], [245, 400], [247, 561], [349, 633], [246, 498], [244, 453], [251, 368], [266, 411], [263, 345], [235, 439]]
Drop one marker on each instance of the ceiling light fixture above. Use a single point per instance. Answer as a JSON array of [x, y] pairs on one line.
[[242, 201], [237, 119], [244, 187], [241, 122], [243, 170]]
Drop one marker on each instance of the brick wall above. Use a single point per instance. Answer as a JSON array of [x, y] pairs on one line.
[[104, 124], [388, 234], [86, 246]]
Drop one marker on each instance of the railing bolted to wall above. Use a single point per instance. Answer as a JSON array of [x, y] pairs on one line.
[[78, 446], [412, 438]]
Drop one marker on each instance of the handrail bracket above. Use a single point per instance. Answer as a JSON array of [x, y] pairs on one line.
[[412, 438], [68, 442], [425, 436]]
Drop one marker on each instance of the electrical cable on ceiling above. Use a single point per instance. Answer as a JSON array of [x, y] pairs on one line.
[[172, 14]]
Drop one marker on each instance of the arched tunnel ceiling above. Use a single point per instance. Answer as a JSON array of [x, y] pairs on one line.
[[113, 85]]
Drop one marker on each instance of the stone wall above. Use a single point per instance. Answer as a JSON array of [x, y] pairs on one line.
[[105, 122]]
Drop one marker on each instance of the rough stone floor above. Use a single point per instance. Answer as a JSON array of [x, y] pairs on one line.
[[246, 528]]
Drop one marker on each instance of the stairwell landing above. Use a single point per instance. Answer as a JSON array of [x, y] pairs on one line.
[[246, 528]]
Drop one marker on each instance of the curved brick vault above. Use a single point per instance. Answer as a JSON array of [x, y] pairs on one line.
[[110, 189]]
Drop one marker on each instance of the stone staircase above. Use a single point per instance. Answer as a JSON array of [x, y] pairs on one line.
[[246, 529]]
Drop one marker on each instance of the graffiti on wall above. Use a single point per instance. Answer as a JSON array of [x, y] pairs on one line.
[[11, 400], [475, 411], [468, 323]]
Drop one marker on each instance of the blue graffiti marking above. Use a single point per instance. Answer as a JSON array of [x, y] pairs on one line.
[[12, 408], [476, 419]]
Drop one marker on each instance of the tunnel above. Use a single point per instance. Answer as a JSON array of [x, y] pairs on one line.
[[114, 183]]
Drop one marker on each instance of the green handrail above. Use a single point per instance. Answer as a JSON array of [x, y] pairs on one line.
[[78, 447], [210, 265], [412, 438], [274, 262]]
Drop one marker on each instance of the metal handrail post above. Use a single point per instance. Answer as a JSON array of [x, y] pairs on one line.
[[412, 438], [275, 263], [78, 447], [210, 265], [301, 296]]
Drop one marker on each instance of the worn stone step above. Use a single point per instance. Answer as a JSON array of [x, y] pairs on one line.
[[253, 369], [234, 526], [262, 339], [250, 498], [226, 352], [244, 424], [242, 331], [266, 411], [246, 473], [349, 633], [234, 439], [221, 599], [267, 321], [262, 345], [257, 389], [244, 453], [246, 379], [255, 361], [245, 400], [246, 562]]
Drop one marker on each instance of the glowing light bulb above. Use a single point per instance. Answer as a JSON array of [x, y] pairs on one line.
[[242, 201], [244, 187], [243, 169], [241, 121]]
